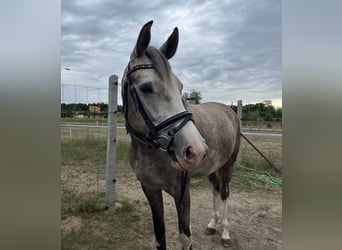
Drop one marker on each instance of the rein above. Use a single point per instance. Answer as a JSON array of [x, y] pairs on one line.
[[184, 182], [155, 138]]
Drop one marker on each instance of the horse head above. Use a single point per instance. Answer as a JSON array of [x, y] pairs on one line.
[[154, 111]]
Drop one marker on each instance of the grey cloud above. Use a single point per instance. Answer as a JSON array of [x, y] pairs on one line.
[[230, 49]]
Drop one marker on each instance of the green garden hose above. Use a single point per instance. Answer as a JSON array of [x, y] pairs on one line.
[[272, 180]]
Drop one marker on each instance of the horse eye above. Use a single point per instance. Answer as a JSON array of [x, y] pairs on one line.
[[146, 88]]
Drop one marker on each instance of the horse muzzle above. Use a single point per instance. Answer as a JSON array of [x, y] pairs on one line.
[[189, 149]]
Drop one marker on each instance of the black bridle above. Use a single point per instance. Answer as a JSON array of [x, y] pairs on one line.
[[155, 138]]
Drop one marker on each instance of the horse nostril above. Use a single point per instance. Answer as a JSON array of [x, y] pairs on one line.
[[204, 155], [205, 151], [192, 155], [189, 153]]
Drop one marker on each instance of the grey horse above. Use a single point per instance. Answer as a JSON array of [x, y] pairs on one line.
[[173, 141]]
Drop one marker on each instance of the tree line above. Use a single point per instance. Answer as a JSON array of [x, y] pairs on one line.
[[75, 109], [263, 111]]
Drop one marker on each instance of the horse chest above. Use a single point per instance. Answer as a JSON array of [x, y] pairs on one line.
[[149, 168]]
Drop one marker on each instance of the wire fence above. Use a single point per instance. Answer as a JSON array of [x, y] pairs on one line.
[[84, 148], [83, 163], [77, 93]]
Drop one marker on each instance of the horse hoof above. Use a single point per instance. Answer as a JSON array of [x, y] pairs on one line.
[[226, 242], [210, 231]]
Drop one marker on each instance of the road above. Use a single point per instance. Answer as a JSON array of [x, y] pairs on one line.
[[121, 126], [262, 132]]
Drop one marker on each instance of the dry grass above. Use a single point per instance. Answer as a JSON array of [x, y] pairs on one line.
[[84, 223], [270, 146]]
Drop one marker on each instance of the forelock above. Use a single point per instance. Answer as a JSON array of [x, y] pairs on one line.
[[159, 61]]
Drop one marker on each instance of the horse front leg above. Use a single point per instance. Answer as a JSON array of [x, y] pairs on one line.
[[155, 199], [183, 212]]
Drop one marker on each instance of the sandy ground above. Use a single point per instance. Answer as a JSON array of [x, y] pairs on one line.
[[255, 218]]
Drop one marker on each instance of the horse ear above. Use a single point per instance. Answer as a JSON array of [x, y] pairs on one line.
[[170, 46], [143, 40]]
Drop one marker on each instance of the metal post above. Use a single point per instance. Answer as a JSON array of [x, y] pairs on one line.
[[111, 141], [239, 114]]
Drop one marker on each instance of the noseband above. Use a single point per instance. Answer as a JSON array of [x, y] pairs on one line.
[[155, 138]]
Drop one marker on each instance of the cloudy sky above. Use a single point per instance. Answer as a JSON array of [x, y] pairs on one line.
[[228, 50]]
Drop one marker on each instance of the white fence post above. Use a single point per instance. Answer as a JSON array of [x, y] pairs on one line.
[[111, 141], [239, 114]]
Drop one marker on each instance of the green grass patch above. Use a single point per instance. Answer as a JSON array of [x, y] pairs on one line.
[[97, 228], [126, 206], [77, 203]]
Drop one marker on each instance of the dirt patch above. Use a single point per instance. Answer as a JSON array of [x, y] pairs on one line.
[[70, 223], [255, 218]]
